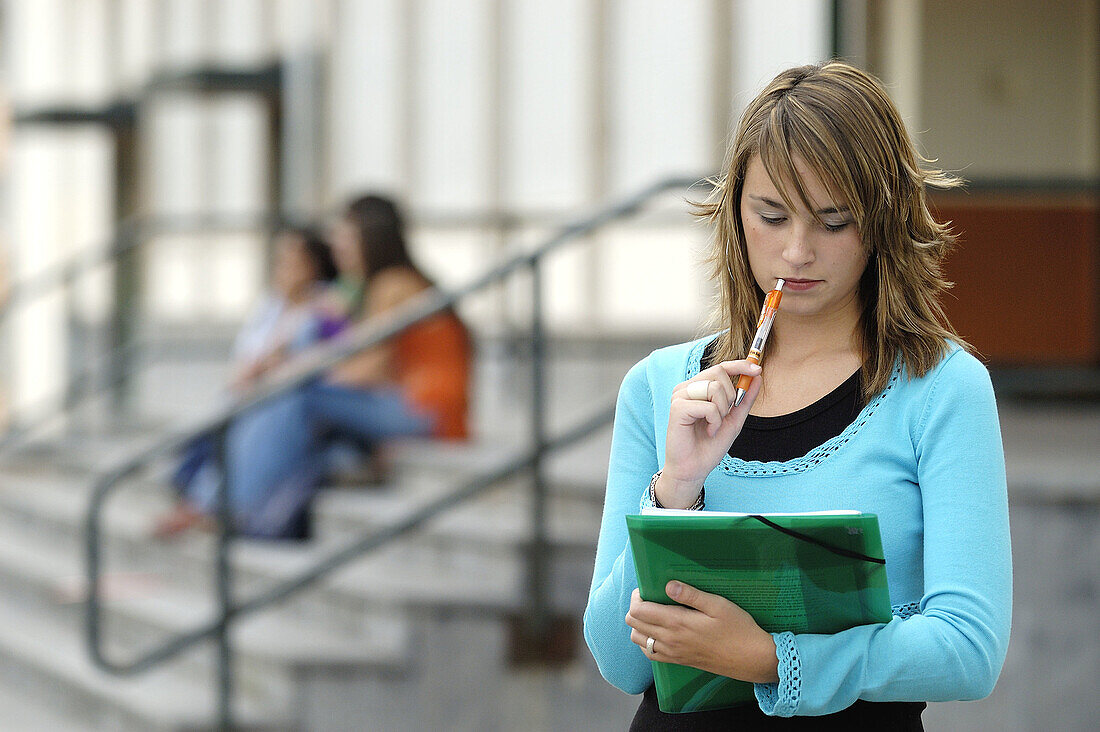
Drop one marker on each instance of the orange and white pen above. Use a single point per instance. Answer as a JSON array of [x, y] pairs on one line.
[[763, 327]]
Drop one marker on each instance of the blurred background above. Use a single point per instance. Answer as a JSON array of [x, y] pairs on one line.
[[150, 148]]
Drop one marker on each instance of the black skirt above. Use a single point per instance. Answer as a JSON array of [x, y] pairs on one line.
[[879, 716]]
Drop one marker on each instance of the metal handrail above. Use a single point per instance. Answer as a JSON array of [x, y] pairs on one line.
[[311, 366], [132, 234]]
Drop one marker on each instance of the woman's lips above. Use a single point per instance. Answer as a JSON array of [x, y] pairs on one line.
[[800, 285]]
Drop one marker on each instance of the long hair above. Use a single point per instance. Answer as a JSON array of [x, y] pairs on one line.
[[381, 231], [840, 121]]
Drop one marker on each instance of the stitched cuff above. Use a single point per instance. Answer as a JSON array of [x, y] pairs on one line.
[[781, 699]]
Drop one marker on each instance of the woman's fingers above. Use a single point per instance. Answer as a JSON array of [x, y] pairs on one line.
[[718, 391], [643, 629], [721, 378], [642, 640], [694, 410], [749, 369], [707, 390], [698, 389], [716, 384], [736, 369]]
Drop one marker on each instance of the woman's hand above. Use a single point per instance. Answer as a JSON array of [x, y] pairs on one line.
[[706, 631], [701, 429]]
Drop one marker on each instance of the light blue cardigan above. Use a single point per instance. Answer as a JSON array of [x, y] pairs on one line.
[[925, 455]]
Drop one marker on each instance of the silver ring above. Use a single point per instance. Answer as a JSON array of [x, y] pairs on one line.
[[649, 645]]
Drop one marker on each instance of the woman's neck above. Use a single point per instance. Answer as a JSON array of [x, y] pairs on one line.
[[796, 339]]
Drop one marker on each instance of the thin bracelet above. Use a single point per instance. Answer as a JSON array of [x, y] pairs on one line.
[[697, 506]]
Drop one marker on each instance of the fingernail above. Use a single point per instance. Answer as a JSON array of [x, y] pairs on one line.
[[755, 368], [673, 589]]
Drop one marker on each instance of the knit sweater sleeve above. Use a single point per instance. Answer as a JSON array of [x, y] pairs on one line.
[[955, 647], [632, 463]]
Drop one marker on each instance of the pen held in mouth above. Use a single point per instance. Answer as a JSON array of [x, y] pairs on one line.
[[763, 328]]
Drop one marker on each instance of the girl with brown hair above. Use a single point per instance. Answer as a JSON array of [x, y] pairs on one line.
[[867, 400]]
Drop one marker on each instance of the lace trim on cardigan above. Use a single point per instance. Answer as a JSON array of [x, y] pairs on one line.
[[737, 466], [781, 700], [906, 610]]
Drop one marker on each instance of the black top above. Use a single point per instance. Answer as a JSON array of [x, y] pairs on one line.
[[786, 437], [790, 436]]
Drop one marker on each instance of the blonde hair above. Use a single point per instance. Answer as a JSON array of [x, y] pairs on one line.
[[840, 121]]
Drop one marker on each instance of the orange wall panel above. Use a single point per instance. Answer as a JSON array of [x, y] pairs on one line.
[[1026, 275]]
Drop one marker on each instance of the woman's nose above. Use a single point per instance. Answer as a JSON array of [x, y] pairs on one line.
[[797, 250]]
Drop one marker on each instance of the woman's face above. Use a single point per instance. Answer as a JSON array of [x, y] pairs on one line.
[[347, 250], [822, 265], [293, 272]]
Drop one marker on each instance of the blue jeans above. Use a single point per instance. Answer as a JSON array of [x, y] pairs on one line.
[[276, 452]]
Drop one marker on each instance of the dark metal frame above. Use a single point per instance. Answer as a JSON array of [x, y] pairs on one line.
[[310, 367]]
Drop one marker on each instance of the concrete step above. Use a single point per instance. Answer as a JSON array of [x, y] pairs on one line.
[[141, 610], [452, 613], [405, 636], [405, 574], [84, 453], [492, 529], [22, 712], [580, 469], [500, 519], [50, 662]]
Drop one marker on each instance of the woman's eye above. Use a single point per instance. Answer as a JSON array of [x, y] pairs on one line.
[[837, 227], [773, 220]]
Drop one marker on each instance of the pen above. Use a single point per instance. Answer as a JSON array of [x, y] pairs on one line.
[[763, 327]]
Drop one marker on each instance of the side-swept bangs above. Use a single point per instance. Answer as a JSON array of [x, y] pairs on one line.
[[840, 122]]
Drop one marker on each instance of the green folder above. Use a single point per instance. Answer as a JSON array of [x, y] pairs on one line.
[[805, 573]]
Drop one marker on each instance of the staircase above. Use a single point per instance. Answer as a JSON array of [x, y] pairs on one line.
[[417, 635]]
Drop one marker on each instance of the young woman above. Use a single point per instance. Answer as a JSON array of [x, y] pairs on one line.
[[283, 323], [413, 385], [867, 400], [423, 372]]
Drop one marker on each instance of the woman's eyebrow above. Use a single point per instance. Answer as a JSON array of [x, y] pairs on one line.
[[821, 211], [767, 201]]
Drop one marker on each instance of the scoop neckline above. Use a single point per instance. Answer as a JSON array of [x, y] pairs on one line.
[[798, 416], [755, 468]]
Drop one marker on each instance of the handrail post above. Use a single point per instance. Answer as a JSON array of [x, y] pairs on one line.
[[127, 270], [223, 585], [538, 549], [122, 324]]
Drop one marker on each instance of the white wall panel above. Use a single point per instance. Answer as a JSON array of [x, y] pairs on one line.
[[367, 134], [176, 131], [239, 32], [36, 52], [182, 33], [451, 168], [38, 338], [549, 75], [661, 115], [659, 284], [772, 35], [133, 58], [238, 159], [89, 52]]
